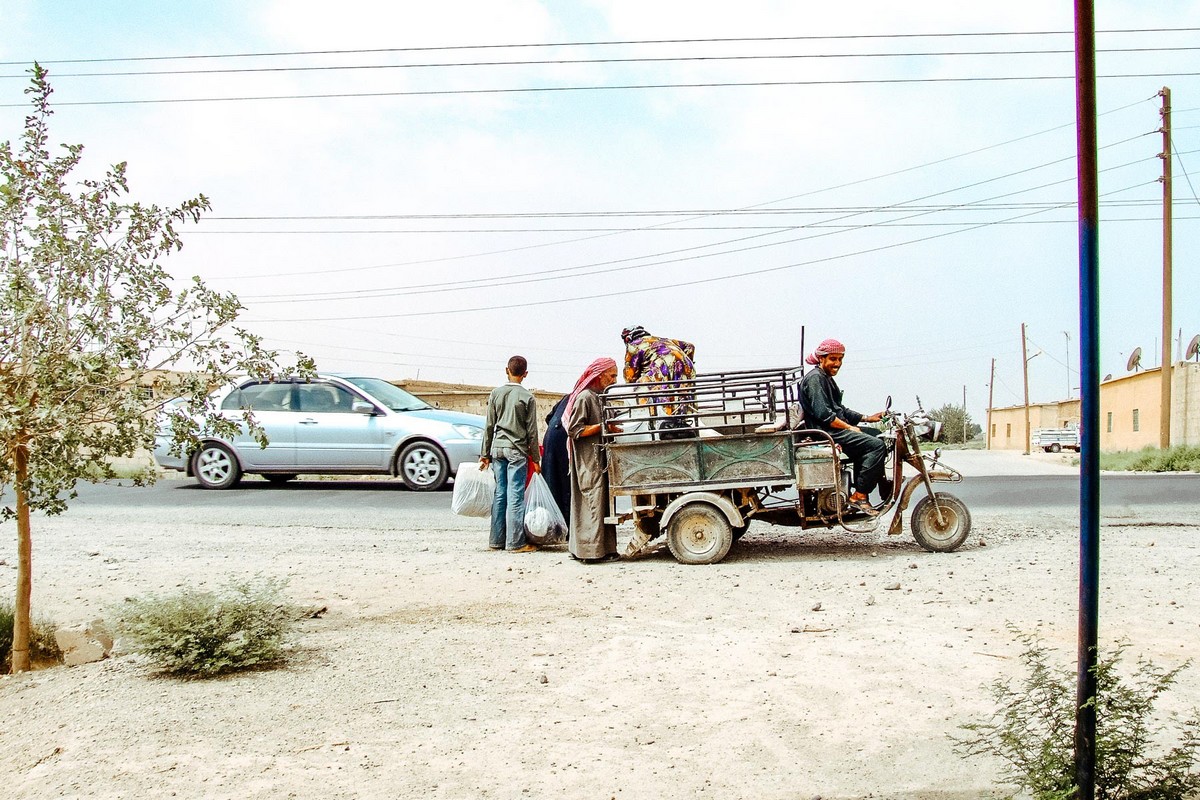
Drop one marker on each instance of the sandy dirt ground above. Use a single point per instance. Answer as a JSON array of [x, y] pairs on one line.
[[805, 665]]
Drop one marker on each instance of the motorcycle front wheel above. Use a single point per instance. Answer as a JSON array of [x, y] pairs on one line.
[[948, 534]]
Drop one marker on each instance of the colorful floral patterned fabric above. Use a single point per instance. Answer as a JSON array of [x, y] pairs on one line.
[[651, 359]]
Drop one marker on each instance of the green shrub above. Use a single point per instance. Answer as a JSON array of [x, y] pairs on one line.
[[199, 633], [1033, 731], [1181, 458], [43, 646]]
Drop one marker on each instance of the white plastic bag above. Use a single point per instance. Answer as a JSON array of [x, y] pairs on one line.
[[544, 523], [474, 489]]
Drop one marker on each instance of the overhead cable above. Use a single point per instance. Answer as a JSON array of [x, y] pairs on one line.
[[583, 61], [609, 43], [810, 193], [645, 289], [605, 88]]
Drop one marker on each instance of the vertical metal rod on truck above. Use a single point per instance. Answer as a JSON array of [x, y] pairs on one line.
[[1089, 383]]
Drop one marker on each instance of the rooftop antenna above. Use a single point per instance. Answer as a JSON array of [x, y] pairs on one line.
[[1193, 349], [1135, 360]]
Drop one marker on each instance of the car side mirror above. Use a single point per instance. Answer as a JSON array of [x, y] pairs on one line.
[[363, 407]]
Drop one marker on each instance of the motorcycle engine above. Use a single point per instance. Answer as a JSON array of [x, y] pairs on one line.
[[827, 503]]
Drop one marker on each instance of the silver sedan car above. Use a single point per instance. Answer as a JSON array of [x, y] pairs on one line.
[[331, 425]]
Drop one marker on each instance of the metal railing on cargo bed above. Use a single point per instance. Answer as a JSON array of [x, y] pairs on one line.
[[718, 430]]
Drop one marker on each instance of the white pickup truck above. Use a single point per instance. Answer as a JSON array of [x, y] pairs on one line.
[[1053, 440]]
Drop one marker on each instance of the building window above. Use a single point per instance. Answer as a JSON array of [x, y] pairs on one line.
[[993, 429], [1109, 420], [1136, 421], [1008, 430]]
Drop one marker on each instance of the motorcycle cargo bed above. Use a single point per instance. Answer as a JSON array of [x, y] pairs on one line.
[[701, 462]]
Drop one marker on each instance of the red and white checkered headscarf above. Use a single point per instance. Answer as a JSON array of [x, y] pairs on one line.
[[594, 371], [825, 348]]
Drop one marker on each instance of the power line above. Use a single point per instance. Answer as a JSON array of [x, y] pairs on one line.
[[698, 229], [558, 274], [874, 355], [685, 250], [813, 192], [614, 87], [609, 43], [646, 289], [579, 61], [699, 212], [1187, 176]]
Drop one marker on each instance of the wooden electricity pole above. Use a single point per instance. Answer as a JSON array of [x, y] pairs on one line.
[[1025, 375], [991, 394], [1164, 427]]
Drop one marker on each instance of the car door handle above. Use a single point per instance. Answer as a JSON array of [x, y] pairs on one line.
[[309, 421]]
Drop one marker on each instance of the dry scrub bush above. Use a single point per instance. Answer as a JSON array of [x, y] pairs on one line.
[[43, 647], [196, 633], [1033, 731]]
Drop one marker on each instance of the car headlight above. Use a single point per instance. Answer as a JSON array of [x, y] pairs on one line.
[[469, 431]]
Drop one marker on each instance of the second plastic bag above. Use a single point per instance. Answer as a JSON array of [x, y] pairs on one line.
[[544, 523]]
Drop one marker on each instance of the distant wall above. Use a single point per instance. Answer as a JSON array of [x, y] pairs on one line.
[[471, 399], [1006, 430], [1185, 404]]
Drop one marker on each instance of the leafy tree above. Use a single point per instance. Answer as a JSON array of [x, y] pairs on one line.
[[951, 417], [87, 318]]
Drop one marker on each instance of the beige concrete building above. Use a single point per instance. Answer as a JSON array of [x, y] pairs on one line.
[[1129, 413], [1006, 426]]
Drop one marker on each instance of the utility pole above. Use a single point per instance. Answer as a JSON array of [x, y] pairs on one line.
[[1025, 374], [964, 413], [1164, 426], [991, 394], [1089, 398]]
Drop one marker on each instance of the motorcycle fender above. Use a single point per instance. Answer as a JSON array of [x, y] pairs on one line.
[[897, 523], [721, 503]]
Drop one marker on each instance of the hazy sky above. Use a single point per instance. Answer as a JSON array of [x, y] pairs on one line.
[[410, 207]]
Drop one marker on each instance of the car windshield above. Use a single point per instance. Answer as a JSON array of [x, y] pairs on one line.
[[391, 396]]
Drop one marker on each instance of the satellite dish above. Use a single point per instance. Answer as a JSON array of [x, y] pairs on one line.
[[1193, 348], [1135, 360], [1107, 378]]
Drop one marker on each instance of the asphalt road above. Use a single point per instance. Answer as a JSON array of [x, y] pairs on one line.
[[993, 492]]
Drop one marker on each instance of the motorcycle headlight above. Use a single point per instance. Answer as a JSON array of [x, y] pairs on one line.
[[469, 431]]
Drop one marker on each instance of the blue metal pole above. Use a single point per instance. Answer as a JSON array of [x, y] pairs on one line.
[[1089, 361]]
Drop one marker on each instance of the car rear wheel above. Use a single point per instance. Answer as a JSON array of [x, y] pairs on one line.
[[423, 467], [215, 466]]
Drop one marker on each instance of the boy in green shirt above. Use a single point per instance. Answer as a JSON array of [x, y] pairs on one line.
[[510, 447]]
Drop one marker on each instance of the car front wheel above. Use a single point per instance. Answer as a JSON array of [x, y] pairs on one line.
[[215, 466], [423, 467]]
